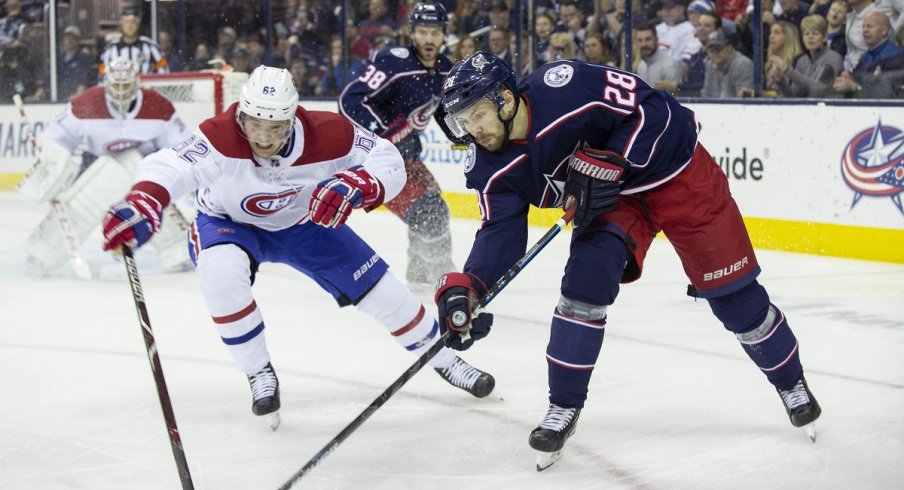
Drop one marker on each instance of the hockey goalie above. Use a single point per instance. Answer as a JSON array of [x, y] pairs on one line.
[[115, 125]]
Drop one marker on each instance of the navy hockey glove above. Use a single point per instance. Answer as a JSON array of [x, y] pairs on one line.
[[136, 218], [594, 181], [457, 297], [334, 198]]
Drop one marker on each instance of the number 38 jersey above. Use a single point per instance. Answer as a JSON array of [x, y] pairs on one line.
[[396, 85], [572, 105]]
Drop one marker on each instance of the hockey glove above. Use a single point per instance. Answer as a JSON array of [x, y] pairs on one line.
[[136, 218], [334, 198], [457, 297], [399, 129], [594, 181]]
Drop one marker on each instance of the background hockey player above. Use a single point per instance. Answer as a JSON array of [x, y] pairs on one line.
[[395, 97], [117, 124], [276, 183], [628, 156]]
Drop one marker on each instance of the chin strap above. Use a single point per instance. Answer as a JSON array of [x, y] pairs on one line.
[[507, 123]]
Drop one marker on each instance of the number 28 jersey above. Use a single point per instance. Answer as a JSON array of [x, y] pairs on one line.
[[572, 105]]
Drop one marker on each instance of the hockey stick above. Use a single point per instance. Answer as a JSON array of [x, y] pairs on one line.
[[154, 358], [79, 264], [503, 281]]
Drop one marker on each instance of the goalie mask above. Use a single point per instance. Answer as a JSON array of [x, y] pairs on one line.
[[121, 85], [266, 109]]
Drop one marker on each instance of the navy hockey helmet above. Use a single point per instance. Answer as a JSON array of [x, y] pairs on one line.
[[428, 14], [479, 76]]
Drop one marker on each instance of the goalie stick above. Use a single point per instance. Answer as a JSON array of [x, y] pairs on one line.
[[79, 265], [503, 281], [154, 358]]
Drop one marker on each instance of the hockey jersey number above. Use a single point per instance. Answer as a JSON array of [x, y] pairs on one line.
[[373, 77]]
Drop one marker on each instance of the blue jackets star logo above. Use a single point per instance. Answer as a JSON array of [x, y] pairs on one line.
[[873, 164]]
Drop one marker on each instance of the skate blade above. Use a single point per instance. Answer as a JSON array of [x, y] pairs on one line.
[[545, 460], [272, 420], [810, 430]]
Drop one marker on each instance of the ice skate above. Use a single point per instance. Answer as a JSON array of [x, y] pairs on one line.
[[549, 437], [462, 375], [802, 407], [265, 395]]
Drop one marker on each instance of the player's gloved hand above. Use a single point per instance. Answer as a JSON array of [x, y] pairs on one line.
[[399, 129], [457, 296], [132, 221], [594, 181], [334, 198]]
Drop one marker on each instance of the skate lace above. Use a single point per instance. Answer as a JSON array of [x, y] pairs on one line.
[[557, 418], [796, 396], [263, 383], [461, 374]]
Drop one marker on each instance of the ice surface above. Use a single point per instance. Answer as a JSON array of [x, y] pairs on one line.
[[674, 402]]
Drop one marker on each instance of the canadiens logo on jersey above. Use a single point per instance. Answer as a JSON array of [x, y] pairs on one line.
[[873, 164], [118, 146], [267, 204]]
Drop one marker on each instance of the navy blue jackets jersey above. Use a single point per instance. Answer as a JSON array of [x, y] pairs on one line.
[[571, 105], [394, 86]]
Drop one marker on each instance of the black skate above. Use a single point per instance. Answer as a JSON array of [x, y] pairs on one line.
[[265, 395], [802, 407], [467, 377], [549, 437]]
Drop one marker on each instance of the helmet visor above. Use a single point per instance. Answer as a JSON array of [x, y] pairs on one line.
[[264, 132]]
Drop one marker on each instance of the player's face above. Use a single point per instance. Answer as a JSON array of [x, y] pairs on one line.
[[427, 41], [265, 137], [482, 122]]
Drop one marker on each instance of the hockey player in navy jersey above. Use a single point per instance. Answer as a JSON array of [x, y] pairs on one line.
[[276, 183], [627, 156], [396, 97]]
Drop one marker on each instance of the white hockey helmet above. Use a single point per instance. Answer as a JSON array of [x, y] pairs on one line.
[[270, 94], [121, 84]]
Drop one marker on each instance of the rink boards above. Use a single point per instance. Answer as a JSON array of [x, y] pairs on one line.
[[819, 179]]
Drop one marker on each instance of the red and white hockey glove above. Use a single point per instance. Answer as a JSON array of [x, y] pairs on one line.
[[136, 218], [458, 298], [399, 129], [594, 182], [334, 198]]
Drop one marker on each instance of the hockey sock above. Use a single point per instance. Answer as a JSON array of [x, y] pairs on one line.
[[392, 305], [223, 272], [763, 332], [574, 346]]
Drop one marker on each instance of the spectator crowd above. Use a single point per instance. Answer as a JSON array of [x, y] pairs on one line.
[[830, 48]]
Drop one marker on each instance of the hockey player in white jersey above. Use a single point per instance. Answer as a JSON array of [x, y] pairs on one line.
[[276, 183], [118, 123]]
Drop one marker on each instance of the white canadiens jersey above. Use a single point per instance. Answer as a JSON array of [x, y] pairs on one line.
[[273, 193], [90, 121]]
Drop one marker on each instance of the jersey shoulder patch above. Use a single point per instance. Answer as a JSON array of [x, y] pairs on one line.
[[91, 105], [558, 76], [155, 106], [400, 52]]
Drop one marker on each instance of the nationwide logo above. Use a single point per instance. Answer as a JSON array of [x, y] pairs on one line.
[[873, 164]]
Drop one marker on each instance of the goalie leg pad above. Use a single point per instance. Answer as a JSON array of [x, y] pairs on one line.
[[91, 195], [224, 272], [392, 305], [170, 240], [53, 172]]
